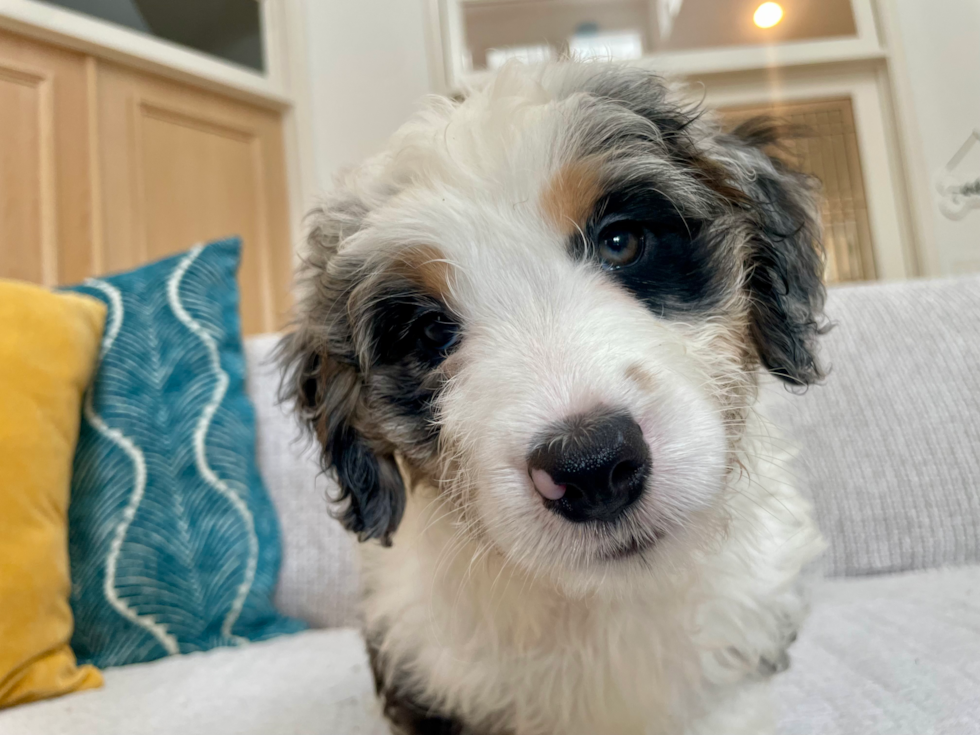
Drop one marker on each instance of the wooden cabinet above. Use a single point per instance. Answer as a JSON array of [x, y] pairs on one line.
[[177, 166], [104, 167], [45, 189]]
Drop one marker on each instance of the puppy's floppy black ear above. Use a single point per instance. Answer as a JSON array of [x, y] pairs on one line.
[[327, 394], [784, 272]]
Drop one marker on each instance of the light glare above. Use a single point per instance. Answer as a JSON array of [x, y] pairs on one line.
[[767, 15]]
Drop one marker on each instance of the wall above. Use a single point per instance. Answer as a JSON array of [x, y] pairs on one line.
[[368, 66], [939, 45]]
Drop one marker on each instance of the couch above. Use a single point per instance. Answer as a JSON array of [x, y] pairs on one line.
[[888, 450]]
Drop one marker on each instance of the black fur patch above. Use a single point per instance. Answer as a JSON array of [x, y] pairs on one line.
[[785, 273], [396, 315], [371, 485], [401, 377], [407, 713], [785, 263], [373, 376], [645, 94], [327, 391], [675, 273]]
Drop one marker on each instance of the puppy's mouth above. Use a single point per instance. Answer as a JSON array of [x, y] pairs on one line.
[[635, 546]]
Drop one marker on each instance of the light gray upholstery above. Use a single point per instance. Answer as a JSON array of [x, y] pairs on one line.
[[312, 683], [895, 655], [890, 444], [891, 655], [890, 451]]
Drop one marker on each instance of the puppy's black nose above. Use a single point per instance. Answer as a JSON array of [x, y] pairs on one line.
[[591, 467]]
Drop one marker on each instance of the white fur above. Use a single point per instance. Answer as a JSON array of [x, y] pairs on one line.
[[676, 649], [496, 609]]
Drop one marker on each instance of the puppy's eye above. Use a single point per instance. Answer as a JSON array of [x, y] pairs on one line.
[[438, 334], [621, 243]]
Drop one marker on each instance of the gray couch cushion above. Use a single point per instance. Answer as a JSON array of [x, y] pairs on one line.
[[317, 580], [890, 444], [891, 655], [896, 655], [311, 683]]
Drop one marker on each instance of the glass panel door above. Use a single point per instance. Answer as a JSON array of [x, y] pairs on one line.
[[827, 148]]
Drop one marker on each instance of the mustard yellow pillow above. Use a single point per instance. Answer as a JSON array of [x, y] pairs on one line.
[[48, 348]]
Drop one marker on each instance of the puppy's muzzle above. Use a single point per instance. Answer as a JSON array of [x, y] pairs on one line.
[[591, 467]]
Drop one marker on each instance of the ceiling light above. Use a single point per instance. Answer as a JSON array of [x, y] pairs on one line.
[[767, 15]]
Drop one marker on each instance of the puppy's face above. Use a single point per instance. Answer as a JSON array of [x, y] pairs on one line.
[[551, 300]]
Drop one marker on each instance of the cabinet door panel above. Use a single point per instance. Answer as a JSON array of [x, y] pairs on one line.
[[181, 166], [45, 222]]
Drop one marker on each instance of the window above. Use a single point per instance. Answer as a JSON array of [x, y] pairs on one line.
[[228, 29], [625, 29]]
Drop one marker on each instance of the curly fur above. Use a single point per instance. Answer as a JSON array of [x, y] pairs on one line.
[[484, 611]]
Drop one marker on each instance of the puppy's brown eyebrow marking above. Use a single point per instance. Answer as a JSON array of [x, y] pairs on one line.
[[427, 266], [717, 178], [570, 196], [641, 377]]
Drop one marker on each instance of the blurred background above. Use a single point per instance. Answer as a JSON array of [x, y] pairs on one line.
[[131, 129]]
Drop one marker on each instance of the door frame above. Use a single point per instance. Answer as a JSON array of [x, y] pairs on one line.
[[284, 87]]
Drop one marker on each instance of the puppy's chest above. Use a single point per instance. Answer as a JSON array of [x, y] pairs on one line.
[[617, 669], [528, 661]]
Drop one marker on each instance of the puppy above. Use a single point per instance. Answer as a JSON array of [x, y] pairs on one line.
[[529, 339]]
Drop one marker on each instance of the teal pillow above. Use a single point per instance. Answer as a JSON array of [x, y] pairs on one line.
[[173, 541]]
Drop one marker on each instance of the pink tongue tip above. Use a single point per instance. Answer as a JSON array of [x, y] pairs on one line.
[[546, 486]]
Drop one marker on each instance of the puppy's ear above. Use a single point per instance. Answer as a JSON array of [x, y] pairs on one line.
[[324, 379], [327, 395], [785, 260]]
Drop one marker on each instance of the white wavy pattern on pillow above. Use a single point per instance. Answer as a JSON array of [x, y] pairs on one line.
[[147, 622], [200, 440], [172, 562]]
